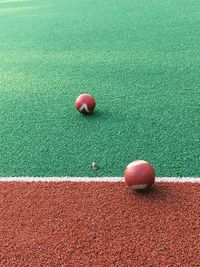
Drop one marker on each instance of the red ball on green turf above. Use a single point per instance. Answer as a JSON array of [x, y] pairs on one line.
[[139, 175], [85, 104]]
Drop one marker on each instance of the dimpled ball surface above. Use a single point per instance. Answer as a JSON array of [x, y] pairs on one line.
[[85, 104], [139, 175]]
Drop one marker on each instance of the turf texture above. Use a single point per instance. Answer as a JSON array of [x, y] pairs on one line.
[[139, 59]]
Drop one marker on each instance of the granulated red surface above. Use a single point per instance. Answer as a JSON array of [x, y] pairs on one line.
[[99, 224]]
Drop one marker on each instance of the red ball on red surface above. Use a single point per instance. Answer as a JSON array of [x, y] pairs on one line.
[[85, 104], [139, 175]]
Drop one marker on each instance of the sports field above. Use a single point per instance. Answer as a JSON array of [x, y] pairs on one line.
[[141, 62]]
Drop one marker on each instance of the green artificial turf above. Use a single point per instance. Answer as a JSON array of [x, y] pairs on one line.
[[141, 61]]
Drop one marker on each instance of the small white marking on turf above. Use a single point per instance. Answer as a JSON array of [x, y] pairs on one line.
[[95, 179]]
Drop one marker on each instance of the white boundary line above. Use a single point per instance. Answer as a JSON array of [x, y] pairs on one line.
[[95, 179]]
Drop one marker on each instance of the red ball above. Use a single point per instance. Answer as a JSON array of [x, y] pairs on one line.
[[85, 104], [139, 175]]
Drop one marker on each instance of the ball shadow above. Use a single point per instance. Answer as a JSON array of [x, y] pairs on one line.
[[157, 191], [98, 114]]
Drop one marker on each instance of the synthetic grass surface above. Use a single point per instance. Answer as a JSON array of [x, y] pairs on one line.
[[139, 59]]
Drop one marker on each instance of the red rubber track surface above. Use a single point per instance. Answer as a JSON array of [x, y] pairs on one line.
[[99, 224]]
